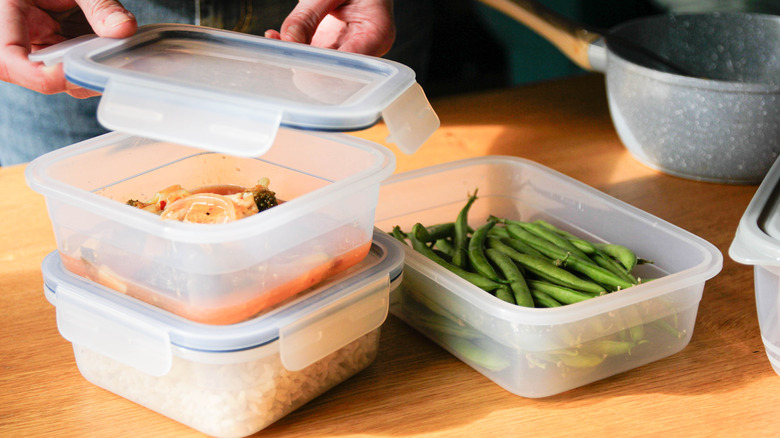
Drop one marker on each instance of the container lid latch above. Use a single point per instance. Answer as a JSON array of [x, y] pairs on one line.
[[410, 119], [108, 331], [314, 336], [214, 124]]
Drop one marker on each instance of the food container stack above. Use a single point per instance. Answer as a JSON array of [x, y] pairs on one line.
[[212, 273], [216, 256], [230, 380], [538, 352], [757, 243]]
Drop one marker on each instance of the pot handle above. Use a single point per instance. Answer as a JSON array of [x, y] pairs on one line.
[[571, 38]]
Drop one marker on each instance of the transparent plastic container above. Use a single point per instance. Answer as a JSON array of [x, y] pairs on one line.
[[227, 381], [212, 273], [196, 106], [538, 352], [757, 243]]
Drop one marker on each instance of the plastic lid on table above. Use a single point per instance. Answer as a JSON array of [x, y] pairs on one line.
[[317, 323], [757, 240], [229, 92]]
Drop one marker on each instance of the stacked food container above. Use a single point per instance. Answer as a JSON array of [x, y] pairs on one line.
[[225, 327], [229, 380]]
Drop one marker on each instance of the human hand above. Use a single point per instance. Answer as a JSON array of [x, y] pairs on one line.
[[358, 26], [30, 25]]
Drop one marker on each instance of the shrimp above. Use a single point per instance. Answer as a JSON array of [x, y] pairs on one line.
[[213, 205]]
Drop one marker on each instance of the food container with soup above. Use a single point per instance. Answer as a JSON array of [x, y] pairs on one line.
[[170, 208]]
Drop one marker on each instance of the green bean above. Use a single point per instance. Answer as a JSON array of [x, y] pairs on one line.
[[541, 299], [611, 265], [478, 280], [504, 294], [665, 326], [582, 244], [552, 237], [511, 272], [399, 234], [443, 325], [441, 231], [597, 273], [576, 260], [476, 252], [460, 256], [523, 247], [472, 353], [443, 255], [445, 246], [583, 266], [562, 294], [499, 232], [546, 270], [542, 245], [432, 306], [610, 348], [578, 359], [636, 325], [420, 234], [563, 333], [625, 256]]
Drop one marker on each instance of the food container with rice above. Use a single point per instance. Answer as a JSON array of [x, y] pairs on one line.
[[535, 317], [215, 197], [231, 380]]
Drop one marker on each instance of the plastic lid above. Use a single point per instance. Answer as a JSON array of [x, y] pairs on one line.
[[320, 321], [757, 241], [229, 92]]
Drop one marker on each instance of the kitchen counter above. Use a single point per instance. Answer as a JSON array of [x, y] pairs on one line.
[[721, 384]]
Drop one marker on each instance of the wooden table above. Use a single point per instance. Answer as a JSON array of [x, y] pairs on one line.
[[721, 384]]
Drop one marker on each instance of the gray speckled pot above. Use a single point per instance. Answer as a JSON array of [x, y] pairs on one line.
[[722, 123], [714, 117]]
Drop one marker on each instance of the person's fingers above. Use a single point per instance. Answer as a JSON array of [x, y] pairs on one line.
[[82, 93], [42, 29], [369, 37], [273, 34], [109, 18], [16, 69], [301, 24], [359, 26], [15, 46]]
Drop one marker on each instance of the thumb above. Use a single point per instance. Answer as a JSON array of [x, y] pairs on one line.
[[301, 24], [109, 18]]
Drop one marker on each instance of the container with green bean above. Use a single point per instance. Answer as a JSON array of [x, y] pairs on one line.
[[535, 280]]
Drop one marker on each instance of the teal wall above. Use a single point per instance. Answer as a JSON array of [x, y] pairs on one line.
[[477, 47], [530, 57]]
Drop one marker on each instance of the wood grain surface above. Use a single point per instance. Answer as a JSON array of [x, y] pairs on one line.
[[721, 384]]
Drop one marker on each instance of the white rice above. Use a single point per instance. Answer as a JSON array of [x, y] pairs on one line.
[[228, 399]]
